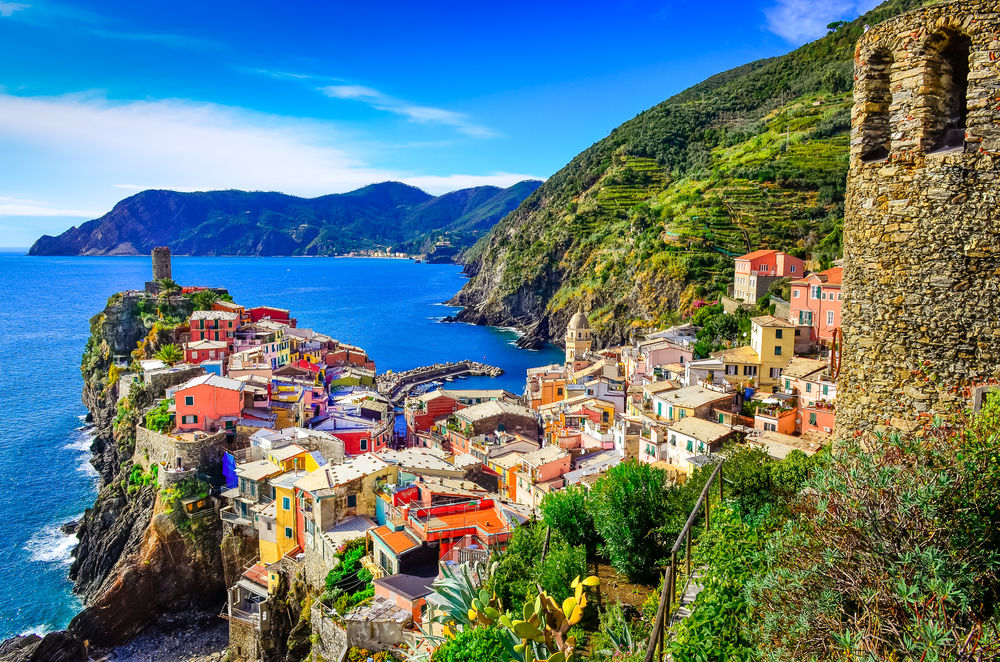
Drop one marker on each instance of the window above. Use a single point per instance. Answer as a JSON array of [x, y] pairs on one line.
[[194, 356], [559, 391], [732, 370], [721, 416], [189, 419], [777, 334], [826, 389], [650, 451], [216, 335], [797, 333], [681, 414], [286, 503], [268, 526], [829, 318], [788, 384], [211, 354], [288, 532], [673, 439], [701, 447], [690, 446], [815, 291], [777, 350], [806, 317], [364, 444], [839, 296], [948, 66], [795, 294], [809, 387], [812, 418], [822, 296], [749, 371], [775, 373], [189, 400], [659, 408], [873, 86], [352, 500]]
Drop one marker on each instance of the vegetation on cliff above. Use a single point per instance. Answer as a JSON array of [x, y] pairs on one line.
[[645, 222], [383, 215]]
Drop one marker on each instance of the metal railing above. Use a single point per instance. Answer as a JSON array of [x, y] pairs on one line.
[[665, 612]]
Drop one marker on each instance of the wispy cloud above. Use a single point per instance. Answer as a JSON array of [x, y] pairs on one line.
[[799, 21], [114, 148], [8, 8], [413, 112], [32, 210]]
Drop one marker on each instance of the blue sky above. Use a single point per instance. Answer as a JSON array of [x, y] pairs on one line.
[[101, 99]]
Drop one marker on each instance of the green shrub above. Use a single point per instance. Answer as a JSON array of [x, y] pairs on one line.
[[481, 644]]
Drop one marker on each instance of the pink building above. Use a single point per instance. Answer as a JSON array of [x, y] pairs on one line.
[[815, 301], [209, 403], [215, 325], [756, 271]]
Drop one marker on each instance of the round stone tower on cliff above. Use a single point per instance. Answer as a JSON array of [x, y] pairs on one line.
[[161, 263], [922, 221]]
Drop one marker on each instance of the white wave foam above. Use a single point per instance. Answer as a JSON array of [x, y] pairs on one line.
[[50, 545], [40, 630], [81, 443]]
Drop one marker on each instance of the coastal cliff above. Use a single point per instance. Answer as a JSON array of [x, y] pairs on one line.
[[138, 557]]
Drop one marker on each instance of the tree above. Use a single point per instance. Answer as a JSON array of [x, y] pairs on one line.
[[168, 288], [568, 512], [170, 354], [204, 300], [629, 505]]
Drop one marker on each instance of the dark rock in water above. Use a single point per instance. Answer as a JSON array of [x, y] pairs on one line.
[[55, 647], [448, 318], [69, 528], [529, 342]]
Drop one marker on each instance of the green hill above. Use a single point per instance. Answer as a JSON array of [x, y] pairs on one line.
[[389, 214], [645, 222]]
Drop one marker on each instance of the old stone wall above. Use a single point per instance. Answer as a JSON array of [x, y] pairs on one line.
[[244, 642], [160, 380], [330, 640], [152, 447], [922, 226]]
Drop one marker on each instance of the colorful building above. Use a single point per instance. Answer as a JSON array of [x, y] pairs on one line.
[[756, 271], [209, 403], [774, 341], [216, 325], [815, 302], [199, 351]]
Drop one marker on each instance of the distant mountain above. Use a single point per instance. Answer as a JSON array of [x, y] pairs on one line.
[[389, 214]]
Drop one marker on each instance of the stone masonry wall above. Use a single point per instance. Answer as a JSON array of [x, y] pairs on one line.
[[922, 226], [330, 643], [151, 447]]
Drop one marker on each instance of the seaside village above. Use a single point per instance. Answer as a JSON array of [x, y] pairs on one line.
[[320, 486]]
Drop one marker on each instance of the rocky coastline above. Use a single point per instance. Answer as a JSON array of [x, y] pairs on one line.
[[132, 567]]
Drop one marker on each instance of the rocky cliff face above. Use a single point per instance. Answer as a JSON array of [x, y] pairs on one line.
[[135, 560]]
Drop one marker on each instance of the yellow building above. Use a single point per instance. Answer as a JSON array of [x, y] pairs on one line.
[[741, 366], [578, 341], [277, 531], [293, 457], [774, 341]]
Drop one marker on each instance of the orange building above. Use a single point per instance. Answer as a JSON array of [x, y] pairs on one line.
[[815, 301], [209, 402]]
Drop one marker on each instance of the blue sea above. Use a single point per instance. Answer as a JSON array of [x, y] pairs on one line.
[[389, 307]]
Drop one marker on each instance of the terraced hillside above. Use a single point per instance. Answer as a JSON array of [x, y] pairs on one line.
[[645, 223]]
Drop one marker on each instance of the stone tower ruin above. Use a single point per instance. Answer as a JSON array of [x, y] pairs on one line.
[[922, 221], [161, 263]]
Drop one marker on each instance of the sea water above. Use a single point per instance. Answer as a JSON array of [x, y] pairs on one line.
[[391, 308]]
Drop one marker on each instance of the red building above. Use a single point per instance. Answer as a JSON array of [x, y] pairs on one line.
[[756, 271], [199, 351], [216, 325], [422, 411], [276, 314], [815, 301]]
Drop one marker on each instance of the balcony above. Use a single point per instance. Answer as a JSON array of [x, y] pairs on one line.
[[232, 517]]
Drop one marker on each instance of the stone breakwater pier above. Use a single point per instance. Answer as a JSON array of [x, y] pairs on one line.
[[397, 385]]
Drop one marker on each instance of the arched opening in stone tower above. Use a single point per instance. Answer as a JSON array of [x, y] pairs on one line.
[[874, 83], [948, 89]]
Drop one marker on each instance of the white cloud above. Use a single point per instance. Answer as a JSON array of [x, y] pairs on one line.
[[413, 112], [85, 152], [799, 21], [8, 8]]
